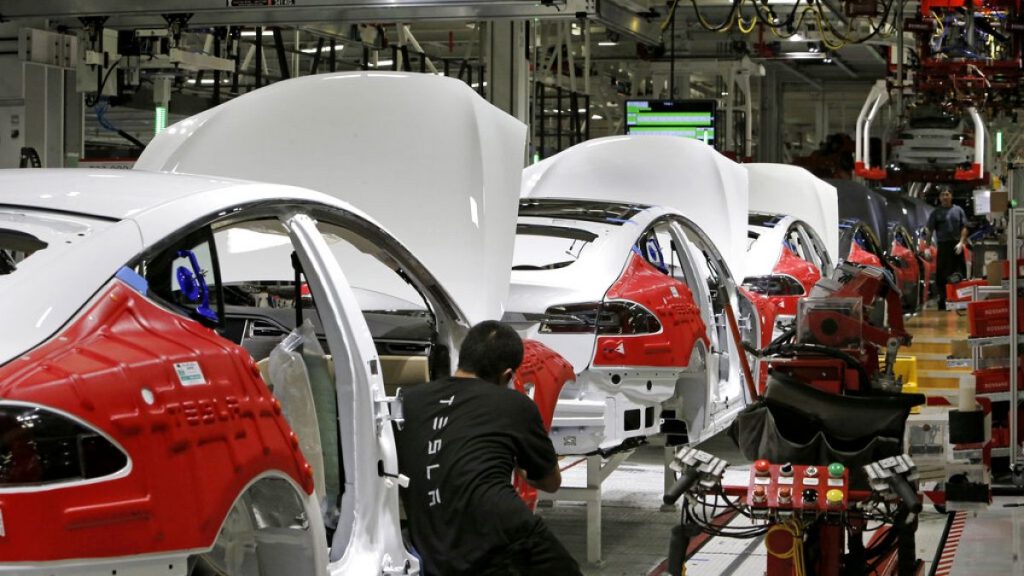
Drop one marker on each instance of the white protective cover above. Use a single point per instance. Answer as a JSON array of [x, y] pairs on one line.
[[764, 253], [679, 173], [424, 155], [791, 190]]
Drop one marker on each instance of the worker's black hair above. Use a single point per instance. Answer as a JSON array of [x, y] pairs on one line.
[[489, 349]]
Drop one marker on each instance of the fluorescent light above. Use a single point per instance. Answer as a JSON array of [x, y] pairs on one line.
[[827, 61], [999, 142], [597, 117], [476, 85], [204, 81], [798, 37], [253, 32], [326, 48], [607, 43], [380, 63], [803, 55]]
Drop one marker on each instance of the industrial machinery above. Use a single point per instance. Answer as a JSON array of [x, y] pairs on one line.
[[834, 338], [826, 438], [811, 519]]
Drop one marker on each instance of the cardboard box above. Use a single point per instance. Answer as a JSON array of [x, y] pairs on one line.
[[960, 349], [994, 273], [999, 201]]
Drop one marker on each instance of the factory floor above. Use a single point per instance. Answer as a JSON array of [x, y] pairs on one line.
[[635, 539]]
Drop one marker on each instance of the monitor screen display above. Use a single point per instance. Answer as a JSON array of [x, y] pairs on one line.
[[685, 118]]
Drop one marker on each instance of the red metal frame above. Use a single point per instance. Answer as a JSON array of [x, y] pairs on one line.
[[802, 271], [193, 449], [546, 372], [671, 301]]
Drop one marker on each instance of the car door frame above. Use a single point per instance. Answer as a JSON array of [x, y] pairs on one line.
[[718, 414]]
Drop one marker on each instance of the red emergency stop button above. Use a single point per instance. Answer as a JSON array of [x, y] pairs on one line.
[[762, 467]]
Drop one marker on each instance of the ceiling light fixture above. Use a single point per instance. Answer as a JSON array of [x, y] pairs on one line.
[[803, 55], [326, 48]]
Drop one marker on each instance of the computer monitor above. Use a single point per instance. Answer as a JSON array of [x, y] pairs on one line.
[[685, 118]]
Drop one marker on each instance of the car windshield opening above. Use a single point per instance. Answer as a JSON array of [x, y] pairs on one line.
[[585, 210], [541, 247], [935, 122]]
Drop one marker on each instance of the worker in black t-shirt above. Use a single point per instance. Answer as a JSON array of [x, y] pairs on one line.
[[462, 439], [949, 222]]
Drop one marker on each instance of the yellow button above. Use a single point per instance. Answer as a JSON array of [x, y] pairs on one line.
[[834, 497]]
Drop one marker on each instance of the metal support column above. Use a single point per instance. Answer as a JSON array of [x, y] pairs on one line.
[[259, 57], [1013, 235], [770, 137], [507, 68]]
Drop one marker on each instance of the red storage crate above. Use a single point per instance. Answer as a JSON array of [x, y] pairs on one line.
[[961, 291], [1006, 268], [992, 380], [990, 318]]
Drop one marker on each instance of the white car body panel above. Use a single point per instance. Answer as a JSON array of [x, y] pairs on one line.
[[588, 416], [679, 173], [452, 200], [791, 190], [932, 148], [148, 207], [764, 252], [61, 285]]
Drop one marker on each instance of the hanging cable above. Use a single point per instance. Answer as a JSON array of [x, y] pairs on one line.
[[90, 102], [796, 552], [724, 26], [101, 108], [748, 28]]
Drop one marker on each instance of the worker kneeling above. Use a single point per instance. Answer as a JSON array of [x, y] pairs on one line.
[[462, 438]]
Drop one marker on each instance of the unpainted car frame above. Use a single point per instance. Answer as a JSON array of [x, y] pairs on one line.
[[117, 351], [636, 294]]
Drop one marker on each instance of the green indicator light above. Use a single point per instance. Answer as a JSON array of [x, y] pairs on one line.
[[836, 469], [160, 120]]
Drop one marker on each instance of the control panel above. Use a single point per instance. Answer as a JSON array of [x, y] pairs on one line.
[[798, 488]]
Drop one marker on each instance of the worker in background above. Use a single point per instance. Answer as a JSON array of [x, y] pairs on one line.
[[462, 439], [949, 223]]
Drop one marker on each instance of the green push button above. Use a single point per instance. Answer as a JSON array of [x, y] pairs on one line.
[[835, 470]]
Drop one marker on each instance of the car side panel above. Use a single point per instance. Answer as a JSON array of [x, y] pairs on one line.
[[192, 448], [541, 376], [862, 256], [804, 272], [909, 275], [673, 304]]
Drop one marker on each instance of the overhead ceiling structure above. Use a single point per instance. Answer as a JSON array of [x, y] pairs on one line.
[[607, 50], [142, 13]]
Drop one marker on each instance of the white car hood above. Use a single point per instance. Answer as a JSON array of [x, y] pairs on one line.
[[764, 253], [424, 155], [791, 190], [686, 175]]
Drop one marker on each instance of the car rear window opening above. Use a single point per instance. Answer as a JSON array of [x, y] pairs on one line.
[[16, 246]]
